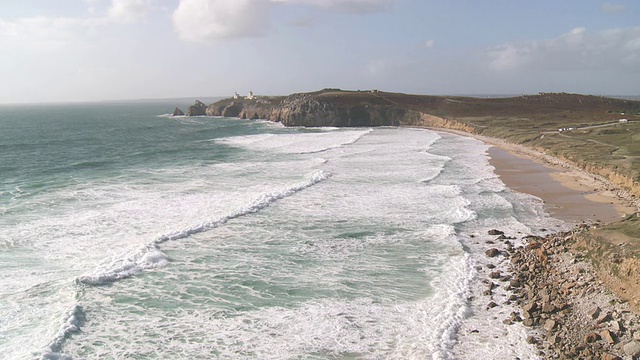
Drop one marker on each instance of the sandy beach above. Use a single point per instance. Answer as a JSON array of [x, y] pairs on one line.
[[569, 193], [566, 303]]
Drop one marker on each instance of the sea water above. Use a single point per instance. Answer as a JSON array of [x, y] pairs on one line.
[[125, 233]]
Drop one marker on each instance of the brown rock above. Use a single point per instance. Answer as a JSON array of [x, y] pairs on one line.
[[594, 313], [608, 356], [607, 336], [529, 307], [531, 340], [549, 324], [493, 252], [591, 337], [548, 308], [603, 318], [632, 348], [491, 305], [495, 232], [528, 322], [495, 274]]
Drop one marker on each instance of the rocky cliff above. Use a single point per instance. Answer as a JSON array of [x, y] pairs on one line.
[[324, 109]]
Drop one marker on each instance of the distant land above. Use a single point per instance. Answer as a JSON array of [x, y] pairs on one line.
[[596, 133]]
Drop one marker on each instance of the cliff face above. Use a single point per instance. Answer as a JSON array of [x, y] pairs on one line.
[[316, 111]]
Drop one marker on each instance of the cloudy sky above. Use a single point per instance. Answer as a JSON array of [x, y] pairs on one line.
[[88, 50]]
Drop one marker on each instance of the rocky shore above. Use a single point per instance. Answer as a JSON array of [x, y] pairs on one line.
[[569, 313]]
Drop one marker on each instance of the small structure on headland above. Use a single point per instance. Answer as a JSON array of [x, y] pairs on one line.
[[236, 95], [250, 96]]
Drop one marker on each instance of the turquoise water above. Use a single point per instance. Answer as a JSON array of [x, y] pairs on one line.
[[130, 234]]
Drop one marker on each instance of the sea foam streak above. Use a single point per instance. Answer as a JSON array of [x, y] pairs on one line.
[[305, 143], [150, 256]]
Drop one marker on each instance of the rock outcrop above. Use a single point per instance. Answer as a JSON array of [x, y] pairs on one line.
[[177, 112], [316, 111], [198, 109]]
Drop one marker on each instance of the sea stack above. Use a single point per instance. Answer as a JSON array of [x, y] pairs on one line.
[[177, 112], [199, 108]]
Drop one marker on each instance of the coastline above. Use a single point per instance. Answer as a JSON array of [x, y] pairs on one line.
[[566, 306], [569, 193]]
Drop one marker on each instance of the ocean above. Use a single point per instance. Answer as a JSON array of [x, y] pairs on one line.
[[129, 234]]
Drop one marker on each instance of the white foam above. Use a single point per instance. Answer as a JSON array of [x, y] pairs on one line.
[[305, 143], [150, 256]]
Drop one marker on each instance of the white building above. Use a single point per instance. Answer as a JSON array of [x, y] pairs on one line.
[[250, 96]]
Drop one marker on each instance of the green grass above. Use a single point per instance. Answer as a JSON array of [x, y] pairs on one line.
[[630, 226]]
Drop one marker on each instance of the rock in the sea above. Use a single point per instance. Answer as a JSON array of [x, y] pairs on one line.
[[177, 112], [198, 109], [493, 252], [496, 232], [632, 348]]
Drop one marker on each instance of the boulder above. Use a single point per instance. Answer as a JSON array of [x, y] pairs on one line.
[[591, 337], [632, 348], [493, 252], [607, 337], [548, 308], [177, 112], [495, 232], [594, 313], [549, 325]]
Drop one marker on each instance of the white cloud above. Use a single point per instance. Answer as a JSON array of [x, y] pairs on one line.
[[350, 6], [128, 10], [52, 33], [44, 33], [576, 50], [610, 8], [208, 20]]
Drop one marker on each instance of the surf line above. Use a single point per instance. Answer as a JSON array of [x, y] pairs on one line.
[[150, 256]]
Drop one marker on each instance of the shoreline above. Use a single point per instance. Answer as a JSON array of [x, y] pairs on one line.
[[564, 305], [523, 169]]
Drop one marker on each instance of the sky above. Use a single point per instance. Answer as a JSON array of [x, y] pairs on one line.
[[94, 50]]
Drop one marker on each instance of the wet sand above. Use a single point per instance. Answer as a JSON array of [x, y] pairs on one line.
[[565, 195], [570, 194]]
